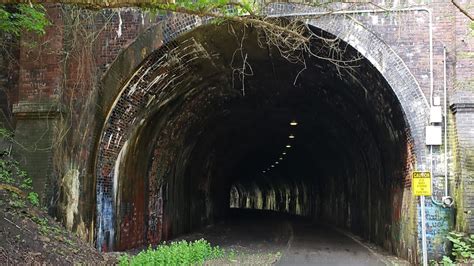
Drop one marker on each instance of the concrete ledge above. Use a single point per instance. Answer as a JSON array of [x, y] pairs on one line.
[[462, 107], [462, 102], [37, 110]]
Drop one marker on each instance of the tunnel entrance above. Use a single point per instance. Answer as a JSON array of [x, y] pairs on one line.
[[226, 122]]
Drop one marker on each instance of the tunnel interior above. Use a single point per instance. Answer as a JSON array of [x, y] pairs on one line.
[[239, 126]]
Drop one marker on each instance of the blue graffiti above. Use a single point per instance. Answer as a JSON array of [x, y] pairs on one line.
[[105, 217], [439, 221]]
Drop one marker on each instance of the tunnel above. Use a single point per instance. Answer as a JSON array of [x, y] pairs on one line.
[[229, 122]]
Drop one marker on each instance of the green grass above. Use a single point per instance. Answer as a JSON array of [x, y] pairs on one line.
[[176, 253]]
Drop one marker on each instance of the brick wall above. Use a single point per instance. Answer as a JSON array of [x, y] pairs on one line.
[[8, 79], [56, 70], [39, 81], [40, 72], [62, 69], [462, 104]]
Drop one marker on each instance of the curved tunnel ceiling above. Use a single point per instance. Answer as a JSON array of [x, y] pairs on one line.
[[204, 126], [332, 105]]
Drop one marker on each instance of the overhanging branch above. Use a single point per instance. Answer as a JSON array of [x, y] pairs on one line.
[[464, 11], [95, 4]]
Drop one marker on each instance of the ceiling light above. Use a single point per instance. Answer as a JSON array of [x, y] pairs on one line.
[[284, 153], [293, 123], [288, 146], [281, 158], [263, 172], [291, 136], [272, 165], [277, 162]]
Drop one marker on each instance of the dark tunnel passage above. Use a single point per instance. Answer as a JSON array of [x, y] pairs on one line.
[[221, 136]]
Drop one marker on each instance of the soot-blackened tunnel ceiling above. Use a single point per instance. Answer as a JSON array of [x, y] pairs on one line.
[[217, 116]]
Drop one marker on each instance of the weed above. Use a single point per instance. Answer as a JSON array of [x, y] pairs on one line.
[[462, 251], [463, 246], [12, 175], [176, 253], [232, 255], [16, 201], [69, 241], [6, 175], [56, 230], [40, 221], [33, 198], [27, 182]]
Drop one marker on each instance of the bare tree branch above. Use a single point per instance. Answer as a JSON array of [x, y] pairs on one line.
[[463, 10], [94, 4]]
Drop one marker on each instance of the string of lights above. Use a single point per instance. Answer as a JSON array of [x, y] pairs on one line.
[[293, 123]]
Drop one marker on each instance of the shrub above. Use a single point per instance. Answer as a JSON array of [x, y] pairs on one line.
[[463, 246], [176, 253]]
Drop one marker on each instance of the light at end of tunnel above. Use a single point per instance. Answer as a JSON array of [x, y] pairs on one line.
[[291, 136], [293, 123], [288, 146]]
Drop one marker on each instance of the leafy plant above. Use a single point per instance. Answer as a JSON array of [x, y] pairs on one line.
[[446, 261], [224, 8], [176, 253], [463, 246], [33, 198], [18, 18], [462, 250], [11, 174], [43, 224], [27, 182], [6, 176], [39, 221], [5, 133], [16, 201], [14, 177]]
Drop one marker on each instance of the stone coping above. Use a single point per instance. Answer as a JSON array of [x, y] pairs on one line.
[[37, 110], [462, 107]]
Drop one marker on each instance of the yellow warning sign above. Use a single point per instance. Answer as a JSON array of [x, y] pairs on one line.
[[421, 183]]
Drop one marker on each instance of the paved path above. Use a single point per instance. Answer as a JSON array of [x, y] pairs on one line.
[[319, 245], [300, 241]]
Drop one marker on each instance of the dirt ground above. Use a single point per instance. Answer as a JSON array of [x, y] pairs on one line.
[[29, 236]]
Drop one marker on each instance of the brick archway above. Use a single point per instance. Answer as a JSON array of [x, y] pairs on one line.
[[123, 99]]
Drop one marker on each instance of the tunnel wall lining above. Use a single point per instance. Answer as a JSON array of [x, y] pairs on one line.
[[403, 84]]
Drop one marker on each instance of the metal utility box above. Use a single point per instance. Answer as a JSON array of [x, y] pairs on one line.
[[434, 135], [436, 114]]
